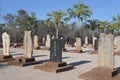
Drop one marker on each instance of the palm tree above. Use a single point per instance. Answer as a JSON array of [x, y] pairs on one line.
[[79, 10], [57, 17], [104, 26], [117, 21]]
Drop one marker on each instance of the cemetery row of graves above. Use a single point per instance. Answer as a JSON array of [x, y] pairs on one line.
[[104, 46]]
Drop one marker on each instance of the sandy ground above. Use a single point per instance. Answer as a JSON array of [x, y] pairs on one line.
[[82, 62]]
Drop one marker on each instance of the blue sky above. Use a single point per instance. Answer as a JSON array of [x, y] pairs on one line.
[[102, 9]]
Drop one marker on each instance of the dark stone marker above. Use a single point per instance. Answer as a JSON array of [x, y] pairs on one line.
[[96, 45], [56, 50]]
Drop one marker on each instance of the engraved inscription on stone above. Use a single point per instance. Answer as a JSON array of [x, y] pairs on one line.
[[56, 50]]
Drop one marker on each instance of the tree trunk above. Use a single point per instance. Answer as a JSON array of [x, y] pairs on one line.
[[78, 23], [56, 30]]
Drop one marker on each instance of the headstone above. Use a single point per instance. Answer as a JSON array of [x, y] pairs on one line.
[[117, 43], [56, 50], [55, 64], [43, 40], [96, 45], [27, 58], [27, 44], [106, 51], [94, 38], [6, 44], [86, 40], [35, 41], [48, 41], [53, 37], [78, 44]]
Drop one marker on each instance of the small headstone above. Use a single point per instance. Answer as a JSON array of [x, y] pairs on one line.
[[6, 44], [35, 41], [94, 38], [48, 41], [43, 40], [78, 44], [27, 44], [96, 45], [56, 50], [86, 40], [106, 51]]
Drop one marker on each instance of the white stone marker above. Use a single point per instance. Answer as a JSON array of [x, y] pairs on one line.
[[48, 41], [86, 40], [6, 44], [35, 41], [27, 44], [78, 44]]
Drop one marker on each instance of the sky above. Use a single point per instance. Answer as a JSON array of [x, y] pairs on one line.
[[102, 9]]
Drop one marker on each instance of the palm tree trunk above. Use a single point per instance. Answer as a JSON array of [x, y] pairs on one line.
[[56, 32], [78, 23]]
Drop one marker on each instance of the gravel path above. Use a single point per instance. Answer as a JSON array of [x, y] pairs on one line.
[[81, 62]]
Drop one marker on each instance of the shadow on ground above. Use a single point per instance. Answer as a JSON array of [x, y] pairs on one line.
[[3, 65], [79, 63], [65, 57]]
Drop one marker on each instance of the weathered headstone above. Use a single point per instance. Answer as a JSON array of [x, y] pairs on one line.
[[78, 44], [43, 40], [94, 38], [96, 45], [27, 44], [105, 69], [27, 59], [6, 48], [48, 41], [106, 51], [86, 40], [55, 64], [6, 44], [35, 41], [117, 43]]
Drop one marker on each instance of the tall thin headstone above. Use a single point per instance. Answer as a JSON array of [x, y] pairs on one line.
[[48, 41], [86, 40], [6, 44], [27, 44], [94, 38], [27, 58], [106, 51], [78, 44], [6, 48], [35, 41]]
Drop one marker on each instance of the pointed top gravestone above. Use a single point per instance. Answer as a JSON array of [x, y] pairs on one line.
[[6, 44], [27, 44], [35, 41]]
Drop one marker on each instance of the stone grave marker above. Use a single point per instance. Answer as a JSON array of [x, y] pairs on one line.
[[6, 48], [55, 64], [106, 62], [48, 41], [36, 42], [27, 58], [78, 45]]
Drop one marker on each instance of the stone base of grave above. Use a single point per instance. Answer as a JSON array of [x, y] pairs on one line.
[[46, 48], [54, 67], [117, 52], [4, 58], [22, 61], [101, 73], [93, 52]]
